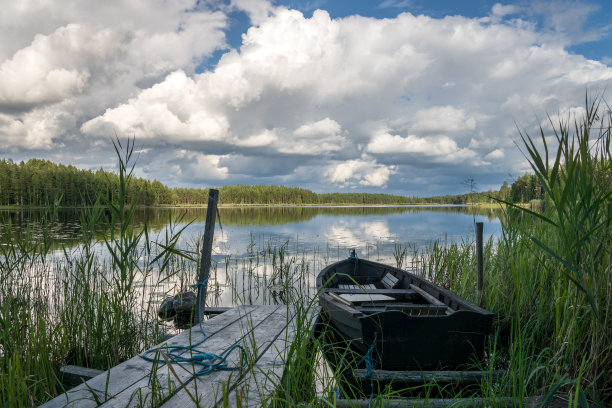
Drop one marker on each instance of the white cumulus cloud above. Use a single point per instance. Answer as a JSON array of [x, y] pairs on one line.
[[495, 154], [440, 148], [364, 172], [302, 100], [443, 119]]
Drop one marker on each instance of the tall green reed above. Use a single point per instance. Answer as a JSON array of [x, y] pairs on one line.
[[26, 342], [572, 241], [80, 306], [548, 276]]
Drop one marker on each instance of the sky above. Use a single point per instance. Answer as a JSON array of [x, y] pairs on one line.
[[410, 97]]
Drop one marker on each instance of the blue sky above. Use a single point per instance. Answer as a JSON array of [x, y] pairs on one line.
[[596, 18], [400, 96]]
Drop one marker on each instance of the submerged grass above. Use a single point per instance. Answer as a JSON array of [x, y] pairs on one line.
[[547, 281]]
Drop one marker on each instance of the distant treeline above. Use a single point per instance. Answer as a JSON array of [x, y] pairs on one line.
[[42, 182]]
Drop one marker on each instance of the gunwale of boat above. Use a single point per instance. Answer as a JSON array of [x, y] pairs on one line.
[[411, 288]]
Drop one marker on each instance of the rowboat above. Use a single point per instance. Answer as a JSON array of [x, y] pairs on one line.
[[404, 320]]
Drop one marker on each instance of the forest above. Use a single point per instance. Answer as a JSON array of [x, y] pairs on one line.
[[40, 182]]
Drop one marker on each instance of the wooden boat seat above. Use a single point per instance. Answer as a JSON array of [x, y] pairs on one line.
[[389, 281], [356, 287], [366, 298], [398, 292]]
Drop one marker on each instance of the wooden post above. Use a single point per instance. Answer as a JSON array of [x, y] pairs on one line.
[[479, 227], [209, 231]]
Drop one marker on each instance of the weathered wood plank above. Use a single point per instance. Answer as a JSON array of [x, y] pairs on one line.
[[256, 387], [430, 298], [207, 242], [158, 385], [404, 292], [389, 280], [260, 381], [209, 388], [76, 398], [212, 310], [339, 299], [122, 376], [72, 375], [430, 376], [366, 297], [342, 305], [435, 402]]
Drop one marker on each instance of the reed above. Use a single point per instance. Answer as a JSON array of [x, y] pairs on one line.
[[548, 277], [77, 307], [547, 280]]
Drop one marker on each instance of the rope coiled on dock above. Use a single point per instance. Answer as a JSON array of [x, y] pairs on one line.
[[207, 362]]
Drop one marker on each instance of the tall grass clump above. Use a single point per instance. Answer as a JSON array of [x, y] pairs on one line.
[[27, 359], [76, 305], [548, 276], [569, 286]]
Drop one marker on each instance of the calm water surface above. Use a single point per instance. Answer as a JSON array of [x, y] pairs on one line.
[[248, 238]]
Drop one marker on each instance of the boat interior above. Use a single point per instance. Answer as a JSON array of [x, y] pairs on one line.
[[396, 289], [375, 293]]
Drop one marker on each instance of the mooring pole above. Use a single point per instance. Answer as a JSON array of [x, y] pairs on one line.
[[479, 227], [209, 231]]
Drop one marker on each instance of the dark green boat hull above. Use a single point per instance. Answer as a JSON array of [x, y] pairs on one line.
[[400, 340]]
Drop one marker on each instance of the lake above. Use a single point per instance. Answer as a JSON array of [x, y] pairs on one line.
[[254, 246]]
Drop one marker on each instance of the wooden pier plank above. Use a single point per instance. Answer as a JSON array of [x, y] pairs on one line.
[[122, 376], [209, 388], [215, 310], [259, 383], [265, 331], [81, 397], [72, 375], [142, 392]]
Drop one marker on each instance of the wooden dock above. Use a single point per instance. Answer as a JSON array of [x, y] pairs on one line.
[[264, 331]]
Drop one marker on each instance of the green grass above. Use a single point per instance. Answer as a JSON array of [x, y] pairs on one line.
[[78, 308], [548, 277], [547, 280]]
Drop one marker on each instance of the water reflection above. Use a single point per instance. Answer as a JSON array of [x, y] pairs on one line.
[[258, 251], [67, 223]]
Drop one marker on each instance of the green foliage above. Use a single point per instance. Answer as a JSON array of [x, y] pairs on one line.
[[79, 309], [40, 182], [526, 188], [548, 278]]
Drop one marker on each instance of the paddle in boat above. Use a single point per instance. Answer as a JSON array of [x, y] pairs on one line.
[[406, 320]]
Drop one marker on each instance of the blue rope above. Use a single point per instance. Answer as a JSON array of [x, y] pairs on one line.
[[201, 286], [369, 360], [208, 361]]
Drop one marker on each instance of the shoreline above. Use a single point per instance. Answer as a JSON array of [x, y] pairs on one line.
[[234, 205]]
